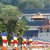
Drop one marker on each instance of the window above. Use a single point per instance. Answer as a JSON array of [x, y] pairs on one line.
[[31, 35], [44, 30], [47, 30], [41, 30], [40, 35], [47, 34]]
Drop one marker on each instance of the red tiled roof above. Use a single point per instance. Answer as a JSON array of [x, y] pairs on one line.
[[45, 25]]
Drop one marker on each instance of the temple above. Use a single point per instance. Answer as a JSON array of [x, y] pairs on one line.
[[39, 26], [38, 16]]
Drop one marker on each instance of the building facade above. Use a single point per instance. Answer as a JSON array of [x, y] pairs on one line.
[[38, 22]]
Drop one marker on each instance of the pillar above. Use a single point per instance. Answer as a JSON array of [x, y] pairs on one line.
[[4, 40]]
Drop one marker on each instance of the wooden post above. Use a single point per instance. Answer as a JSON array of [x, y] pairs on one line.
[[4, 40]]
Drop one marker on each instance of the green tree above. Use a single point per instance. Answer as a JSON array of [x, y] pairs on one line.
[[10, 15], [1, 5], [20, 29], [31, 4], [47, 3], [25, 4], [5, 1], [2, 26], [12, 2]]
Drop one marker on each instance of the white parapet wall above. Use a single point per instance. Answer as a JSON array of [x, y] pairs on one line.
[[44, 35]]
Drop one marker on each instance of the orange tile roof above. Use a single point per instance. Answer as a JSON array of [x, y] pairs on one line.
[[45, 27], [39, 15]]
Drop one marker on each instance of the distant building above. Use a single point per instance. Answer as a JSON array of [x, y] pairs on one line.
[[39, 23], [44, 31], [29, 13]]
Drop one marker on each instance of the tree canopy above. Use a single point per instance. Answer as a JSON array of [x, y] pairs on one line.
[[8, 12], [9, 20], [31, 4], [25, 4]]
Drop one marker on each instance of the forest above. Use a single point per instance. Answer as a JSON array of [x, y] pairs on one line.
[[27, 4]]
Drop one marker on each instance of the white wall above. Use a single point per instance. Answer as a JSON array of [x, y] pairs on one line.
[[44, 36]]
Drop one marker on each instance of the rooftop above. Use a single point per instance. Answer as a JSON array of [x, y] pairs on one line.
[[38, 15], [31, 32], [46, 25], [36, 23]]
